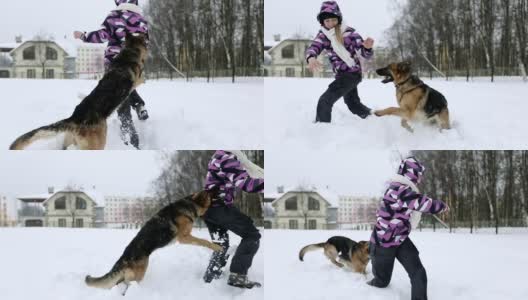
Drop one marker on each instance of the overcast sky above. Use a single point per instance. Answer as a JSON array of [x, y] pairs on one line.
[[345, 171], [56, 17], [126, 173], [288, 17]]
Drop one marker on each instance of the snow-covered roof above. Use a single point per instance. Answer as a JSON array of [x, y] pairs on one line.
[[326, 193], [36, 197], [271, 44], [44, 41], [12, 45], [92, 193], [285, 40]]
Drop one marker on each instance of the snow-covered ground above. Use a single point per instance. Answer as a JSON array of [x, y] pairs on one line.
[[51, 263], [459, 266], [485, 116], [183, 115]]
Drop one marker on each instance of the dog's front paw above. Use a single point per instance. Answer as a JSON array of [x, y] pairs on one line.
[[378, 113]]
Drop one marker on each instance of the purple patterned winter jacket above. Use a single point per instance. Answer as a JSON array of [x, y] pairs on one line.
[[393, 215], [125, 18], [352, 41], [225, 173]]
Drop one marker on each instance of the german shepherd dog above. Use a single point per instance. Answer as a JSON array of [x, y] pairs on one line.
[[355, 255], [86, 127], [417, 101], [172, 223]]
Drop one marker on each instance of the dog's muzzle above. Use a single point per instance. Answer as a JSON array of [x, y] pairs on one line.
[[385, 72]]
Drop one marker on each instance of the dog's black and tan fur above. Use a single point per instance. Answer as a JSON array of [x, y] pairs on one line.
[[355, 255], [416, 100], [86, 127], [172, 223]]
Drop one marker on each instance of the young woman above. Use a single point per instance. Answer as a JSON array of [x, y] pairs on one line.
[[398, 213], [125, 18], [342, 44], [228, 171]]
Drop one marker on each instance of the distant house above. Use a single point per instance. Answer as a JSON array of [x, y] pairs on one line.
[[39, 59], [301, 208], [64, 208], [286, 58]]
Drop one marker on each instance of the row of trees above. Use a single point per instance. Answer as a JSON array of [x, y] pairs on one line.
[[482, 188], [461, 37], [184, 173], [206, 38]]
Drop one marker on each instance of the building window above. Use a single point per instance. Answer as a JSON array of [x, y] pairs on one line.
[[312, 224], [290, 72], [62, 222], [29, 53], [313, 204], [291, 203], [288, 51], [80, 203], [79, 223], [31, 73], [60, 203], [51, 54], [50, 73], [293, 224]]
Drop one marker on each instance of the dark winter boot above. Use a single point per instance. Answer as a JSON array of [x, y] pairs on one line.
[[216, 264], [241, 281]]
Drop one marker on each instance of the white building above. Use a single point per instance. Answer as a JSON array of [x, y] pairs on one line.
[[90, 60], [122, 211], [68, 207], [301, 208], [287, 58], [39, 59], [357, 212]]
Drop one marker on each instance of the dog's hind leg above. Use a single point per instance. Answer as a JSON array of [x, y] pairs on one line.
[[331, 253]]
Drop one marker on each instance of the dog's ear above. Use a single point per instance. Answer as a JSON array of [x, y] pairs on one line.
[[202, 199], [404, 67]]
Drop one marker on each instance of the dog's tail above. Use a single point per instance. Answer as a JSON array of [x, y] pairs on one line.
[[309, 248], [107, 281], [43, 132]]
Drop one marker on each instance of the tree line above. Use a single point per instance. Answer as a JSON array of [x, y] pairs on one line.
[[460, 37], [205, 38], [184, 173], [482, 188]]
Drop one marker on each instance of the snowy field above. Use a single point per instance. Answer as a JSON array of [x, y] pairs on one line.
[[485, 116], [459, 267], [183, 115], [51, 263]]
